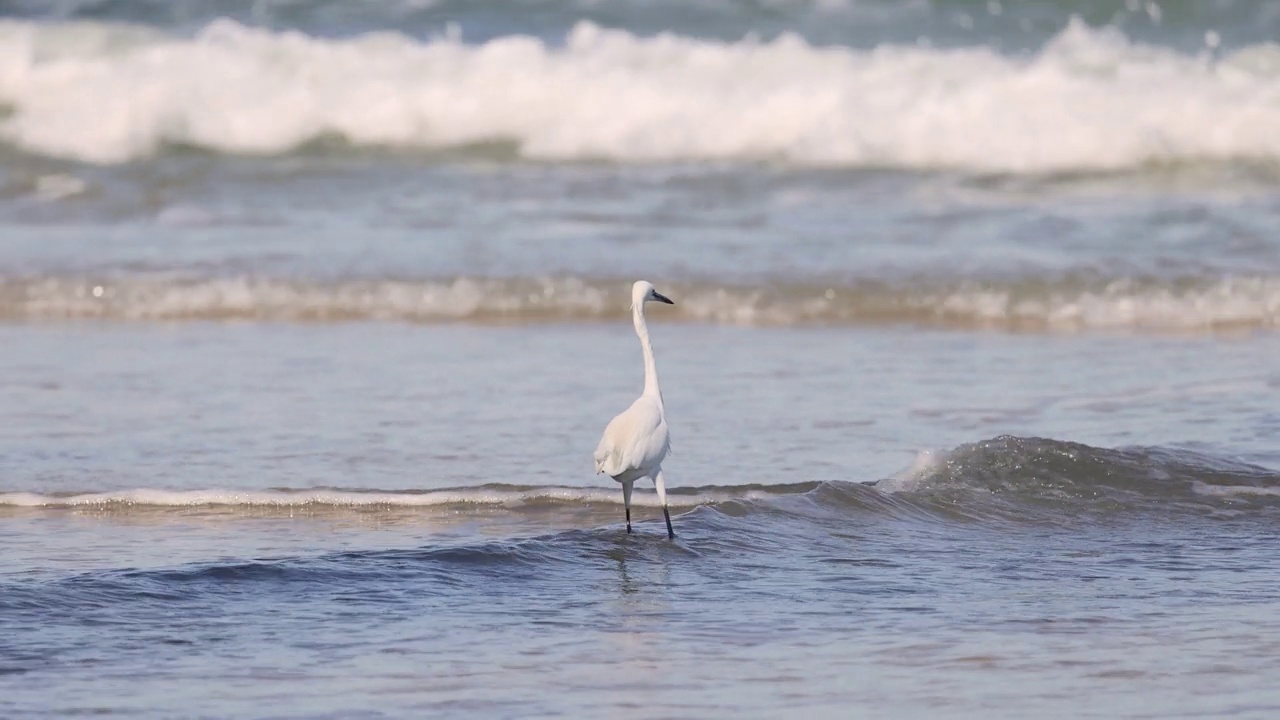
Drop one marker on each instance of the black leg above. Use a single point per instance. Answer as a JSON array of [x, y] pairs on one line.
[[628, 520], [671, 534]]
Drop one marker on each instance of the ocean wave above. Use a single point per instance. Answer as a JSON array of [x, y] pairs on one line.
[[1090, 99], [1050, 304], [1028, 474], [507, 496], [1041, 477]]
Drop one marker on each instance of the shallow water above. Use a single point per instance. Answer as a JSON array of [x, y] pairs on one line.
[[360, 518], [306, 340]]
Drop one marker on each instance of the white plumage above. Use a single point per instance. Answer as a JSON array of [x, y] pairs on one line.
[[636, 442]]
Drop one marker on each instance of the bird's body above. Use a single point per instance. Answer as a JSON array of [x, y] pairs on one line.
[[637, 440]]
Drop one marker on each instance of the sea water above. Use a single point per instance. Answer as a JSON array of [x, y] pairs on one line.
[[310, 319]]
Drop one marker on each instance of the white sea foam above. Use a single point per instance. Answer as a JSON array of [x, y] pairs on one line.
[[506, 497], [1209, 304], [926, 463], [1090, 99], [1233, 490], [1228, 302]]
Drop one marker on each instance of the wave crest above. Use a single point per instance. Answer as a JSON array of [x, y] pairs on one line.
[[508, 496], [1016, 475], [1006, 476], [1066, 304], [1089, 100]]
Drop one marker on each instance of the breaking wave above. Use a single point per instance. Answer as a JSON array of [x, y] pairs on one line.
[[1022, 473], [508, 496], [1089, 99], [1005, 477], [1060, 304]]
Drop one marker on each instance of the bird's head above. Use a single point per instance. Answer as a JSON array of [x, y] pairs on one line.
[[643, 291]]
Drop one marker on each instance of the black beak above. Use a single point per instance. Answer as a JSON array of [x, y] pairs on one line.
[[662, 298]]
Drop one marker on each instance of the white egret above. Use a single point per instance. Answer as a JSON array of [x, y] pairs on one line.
[[636, 441]]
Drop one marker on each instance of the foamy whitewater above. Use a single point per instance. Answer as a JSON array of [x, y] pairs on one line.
[[109, 93], [311, 314], [492, 495], [1056, 305]]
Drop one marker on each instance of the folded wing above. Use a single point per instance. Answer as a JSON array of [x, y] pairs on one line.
[[635, 440]]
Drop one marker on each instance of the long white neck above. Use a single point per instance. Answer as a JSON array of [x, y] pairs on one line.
[[650, 366]]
